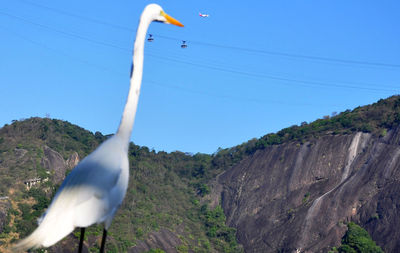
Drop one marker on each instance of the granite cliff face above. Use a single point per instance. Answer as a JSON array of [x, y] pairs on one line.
[[54, 162], [163, 239], [293, 197]]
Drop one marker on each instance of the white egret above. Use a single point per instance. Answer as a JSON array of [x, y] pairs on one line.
[[94, 190]]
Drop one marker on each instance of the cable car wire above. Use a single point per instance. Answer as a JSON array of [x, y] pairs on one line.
[[298, 56], [277, 78], [218, 68], [163, 84], [65, 33], [92, 20], [259, 51]]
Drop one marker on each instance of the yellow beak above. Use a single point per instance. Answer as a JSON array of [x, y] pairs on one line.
[[171, 20]]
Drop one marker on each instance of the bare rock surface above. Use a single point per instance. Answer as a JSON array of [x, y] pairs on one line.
[[163, 239], [298, 197], [55, 163]]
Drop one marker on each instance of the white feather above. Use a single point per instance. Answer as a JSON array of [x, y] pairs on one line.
[[90, 194]]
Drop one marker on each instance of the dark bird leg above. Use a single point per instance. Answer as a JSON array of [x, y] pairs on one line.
[[81, 240], [103, 241]]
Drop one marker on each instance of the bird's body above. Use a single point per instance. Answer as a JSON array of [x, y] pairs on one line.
[[91, 193], [96, 187]]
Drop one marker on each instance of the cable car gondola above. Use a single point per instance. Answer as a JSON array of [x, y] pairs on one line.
[[150, 39], [184, 45]]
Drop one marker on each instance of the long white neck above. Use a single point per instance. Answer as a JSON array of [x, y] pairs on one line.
[[128, 117]]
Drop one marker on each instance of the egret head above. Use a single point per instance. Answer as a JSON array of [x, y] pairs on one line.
[[157, 14]]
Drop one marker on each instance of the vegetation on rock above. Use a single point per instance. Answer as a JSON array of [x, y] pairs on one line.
[[357, 240]]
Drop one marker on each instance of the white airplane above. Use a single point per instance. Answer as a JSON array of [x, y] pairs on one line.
[[203, 15]]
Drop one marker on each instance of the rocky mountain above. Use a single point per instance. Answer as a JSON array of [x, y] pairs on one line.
[[291, 191], [299, 197]]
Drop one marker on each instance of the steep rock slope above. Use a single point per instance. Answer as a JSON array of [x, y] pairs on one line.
[[292, 197]]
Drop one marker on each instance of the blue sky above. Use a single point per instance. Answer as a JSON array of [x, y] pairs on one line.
[[251, 68]]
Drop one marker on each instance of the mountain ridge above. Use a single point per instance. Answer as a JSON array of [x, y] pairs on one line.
[[176, 197]]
